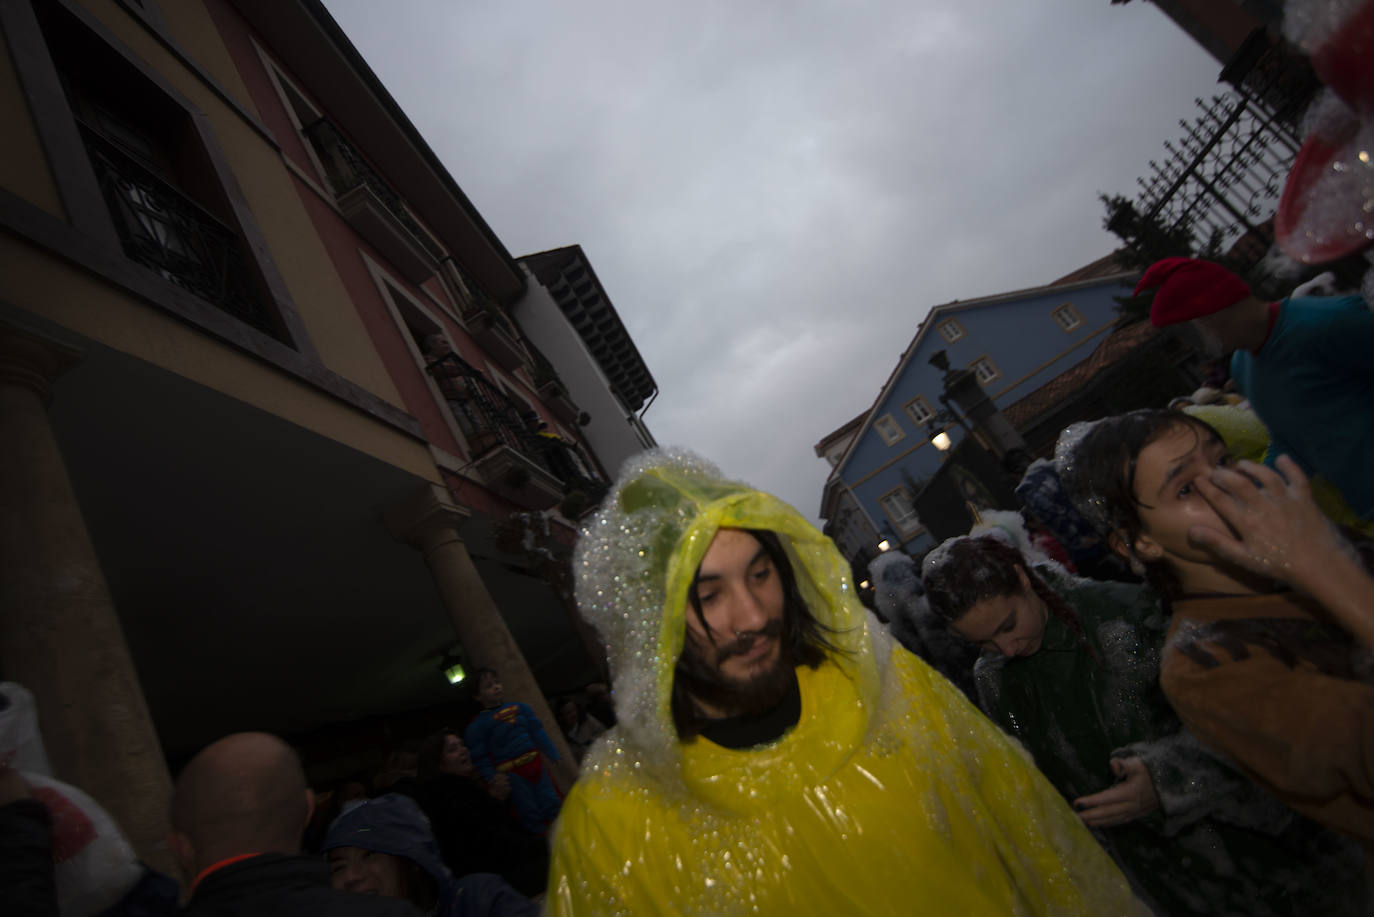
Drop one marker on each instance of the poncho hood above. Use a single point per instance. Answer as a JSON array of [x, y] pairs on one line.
[[635, 562]]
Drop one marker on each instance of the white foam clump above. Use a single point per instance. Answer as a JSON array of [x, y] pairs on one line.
[[1010, 527], [1278, 265], [1340, 203], [896, 583], [1091, 507], [938, 556], [1310, 23], [1324, 284], [1067, 445], [1329, 117]]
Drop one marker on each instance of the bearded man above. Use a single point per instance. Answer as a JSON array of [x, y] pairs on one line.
[[776, 751]]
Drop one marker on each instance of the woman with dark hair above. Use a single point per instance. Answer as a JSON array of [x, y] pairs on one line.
[[1072, 672], [579, 727], [1269, 652], [474, 828]]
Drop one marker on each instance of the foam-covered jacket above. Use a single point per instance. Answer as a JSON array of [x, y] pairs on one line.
[[1218, 844], [891, 795]]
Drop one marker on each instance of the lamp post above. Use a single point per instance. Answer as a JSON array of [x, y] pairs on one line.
[[962, 388], [993, 431]]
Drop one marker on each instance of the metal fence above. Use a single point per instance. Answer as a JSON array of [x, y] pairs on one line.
[[489, 418], [1222, 179]]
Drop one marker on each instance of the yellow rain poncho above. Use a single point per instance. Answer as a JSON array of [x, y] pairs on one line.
[[892, 794]]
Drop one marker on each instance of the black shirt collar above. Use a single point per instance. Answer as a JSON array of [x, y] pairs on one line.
[[752, 729]]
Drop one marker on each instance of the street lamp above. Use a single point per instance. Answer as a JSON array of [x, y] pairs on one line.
[[945, 417], [884, 545]]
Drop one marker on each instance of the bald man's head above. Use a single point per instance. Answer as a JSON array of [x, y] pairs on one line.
[[245, 793]]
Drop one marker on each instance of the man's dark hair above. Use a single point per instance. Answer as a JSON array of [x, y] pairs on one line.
[[804, 640], [1101, 483], [481, 671]]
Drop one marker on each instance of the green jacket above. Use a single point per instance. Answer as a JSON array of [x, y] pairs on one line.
[[1218, 844]]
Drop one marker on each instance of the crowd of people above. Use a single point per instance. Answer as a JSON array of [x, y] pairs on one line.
[[1151, 690], [455, 825]]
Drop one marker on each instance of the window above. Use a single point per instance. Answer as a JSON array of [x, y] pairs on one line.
[[951, 330], [897, 505], [918, 409], [888, 429], [1067, 316], [345, 170], [985, 370], [171, 202]]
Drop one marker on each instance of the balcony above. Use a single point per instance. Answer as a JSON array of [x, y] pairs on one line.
[[372, 208], [559, 401], [512, 458], [518, 478], [551, 388], [490, 328], [164, 230]]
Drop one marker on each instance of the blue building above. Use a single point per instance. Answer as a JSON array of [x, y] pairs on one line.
[[1014, 343]]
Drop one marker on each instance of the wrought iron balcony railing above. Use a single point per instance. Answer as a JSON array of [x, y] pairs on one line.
[[489, 418], [347, 170], [161, 228]]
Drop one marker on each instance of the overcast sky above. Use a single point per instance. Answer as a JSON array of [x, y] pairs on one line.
[[775, 193]]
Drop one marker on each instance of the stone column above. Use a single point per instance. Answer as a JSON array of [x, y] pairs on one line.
[[59, 634], [430, 522]]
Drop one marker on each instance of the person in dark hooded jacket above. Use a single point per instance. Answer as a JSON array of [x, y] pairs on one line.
[[385, 847]]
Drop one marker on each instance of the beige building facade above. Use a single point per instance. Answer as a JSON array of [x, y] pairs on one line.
[[233, 493]]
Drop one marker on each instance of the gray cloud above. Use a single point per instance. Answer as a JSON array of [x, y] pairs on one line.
[[775, 193]]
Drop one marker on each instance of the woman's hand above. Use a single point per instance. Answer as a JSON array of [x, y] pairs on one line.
[[1128, 800], [1277, 530]]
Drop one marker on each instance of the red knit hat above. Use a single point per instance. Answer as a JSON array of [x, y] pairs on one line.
[[1188, 289]]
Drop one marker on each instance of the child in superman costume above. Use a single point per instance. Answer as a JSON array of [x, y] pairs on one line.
[[508, 740]]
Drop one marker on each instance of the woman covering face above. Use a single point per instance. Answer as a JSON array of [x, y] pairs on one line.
[[1268, 656], [1071, 669]]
